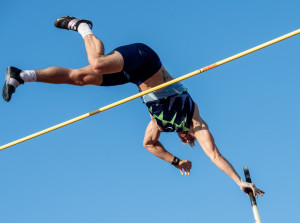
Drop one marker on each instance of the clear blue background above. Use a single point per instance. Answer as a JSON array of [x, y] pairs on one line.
[[97, 170]]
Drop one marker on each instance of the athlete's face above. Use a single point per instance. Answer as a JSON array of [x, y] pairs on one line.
[[185, 137]]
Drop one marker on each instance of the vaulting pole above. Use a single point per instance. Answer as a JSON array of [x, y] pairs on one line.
[[152, 89], [252, 198]]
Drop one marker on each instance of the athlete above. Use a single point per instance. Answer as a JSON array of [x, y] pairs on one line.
[[171, 109]]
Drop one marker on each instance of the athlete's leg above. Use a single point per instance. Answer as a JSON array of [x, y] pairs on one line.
[[94, 46], [53, 75], [100, 63], [103, 64], [60, 75]]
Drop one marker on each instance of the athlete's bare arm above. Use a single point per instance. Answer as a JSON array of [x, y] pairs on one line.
[[152, 144], [204, 137]]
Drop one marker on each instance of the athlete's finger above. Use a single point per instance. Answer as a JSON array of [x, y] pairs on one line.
[[261, 192], [254, 192], [181, 172], [187, 171]]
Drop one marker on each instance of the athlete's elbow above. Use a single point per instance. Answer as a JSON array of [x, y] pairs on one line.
[[215, 158], [148, 144], [215, 155]]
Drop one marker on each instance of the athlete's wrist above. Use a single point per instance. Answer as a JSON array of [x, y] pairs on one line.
[[175, 161], [240, 182]]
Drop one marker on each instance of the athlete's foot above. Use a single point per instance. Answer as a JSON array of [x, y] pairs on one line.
[[71, 23], [12, 81]]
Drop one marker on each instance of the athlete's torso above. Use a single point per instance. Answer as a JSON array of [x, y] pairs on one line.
[[160, 77]]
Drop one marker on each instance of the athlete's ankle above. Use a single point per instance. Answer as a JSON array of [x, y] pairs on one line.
[[16, 77], [84, 29], [28, 75]]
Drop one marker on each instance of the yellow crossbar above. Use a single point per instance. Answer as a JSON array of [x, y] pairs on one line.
[[152, 89]]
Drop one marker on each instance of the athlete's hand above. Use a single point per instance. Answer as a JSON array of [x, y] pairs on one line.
[[185, 167], [248, 187]]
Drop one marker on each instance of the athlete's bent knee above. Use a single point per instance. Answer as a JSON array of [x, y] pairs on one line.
[[77, 78], [97, 65]]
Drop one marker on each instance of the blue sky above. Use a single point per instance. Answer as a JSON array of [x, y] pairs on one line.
[[97, 170]]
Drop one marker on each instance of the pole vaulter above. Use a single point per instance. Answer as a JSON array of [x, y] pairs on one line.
[[152, 89]]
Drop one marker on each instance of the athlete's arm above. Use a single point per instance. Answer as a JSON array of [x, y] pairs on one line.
[[152, 144], [206, 140]]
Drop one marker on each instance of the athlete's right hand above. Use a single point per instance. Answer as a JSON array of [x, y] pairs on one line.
[[247, 187], [185, 167]]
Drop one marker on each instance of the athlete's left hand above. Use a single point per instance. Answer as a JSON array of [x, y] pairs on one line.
[[185, 166]]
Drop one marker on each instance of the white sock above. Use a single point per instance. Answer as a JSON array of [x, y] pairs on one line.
[[84, 29], [28, 75]]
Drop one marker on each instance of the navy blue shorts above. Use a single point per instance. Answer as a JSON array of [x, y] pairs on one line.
[[140, 63]]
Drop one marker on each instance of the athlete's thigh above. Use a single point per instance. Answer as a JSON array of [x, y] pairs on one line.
[[112, 63]]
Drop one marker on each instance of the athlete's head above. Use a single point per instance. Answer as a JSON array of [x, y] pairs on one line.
[[187, 138]]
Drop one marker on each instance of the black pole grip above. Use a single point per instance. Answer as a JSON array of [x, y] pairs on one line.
[[249, 191]]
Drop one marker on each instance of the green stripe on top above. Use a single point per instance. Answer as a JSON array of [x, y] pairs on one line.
[[172, 122]]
